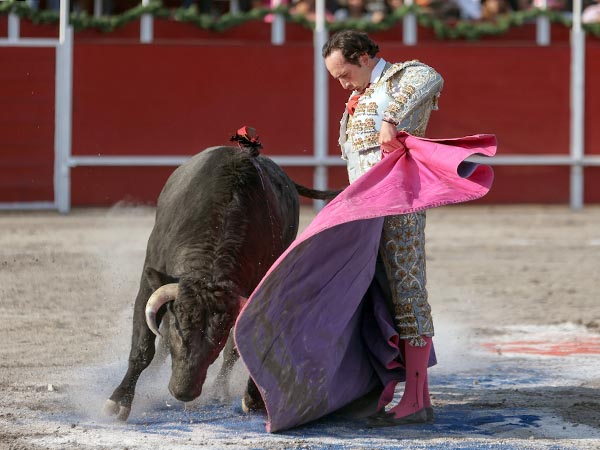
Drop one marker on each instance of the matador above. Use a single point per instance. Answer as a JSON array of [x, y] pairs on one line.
[[387, 98]]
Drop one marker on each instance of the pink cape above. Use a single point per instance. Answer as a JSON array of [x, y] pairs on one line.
[[316, 334]]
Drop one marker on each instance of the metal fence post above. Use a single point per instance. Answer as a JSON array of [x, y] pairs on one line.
[[409, 27], [14, 27], [63, 112], [542, 30], [146, 26], [277, 26], [577, 106], [321, 102], [98, 8]]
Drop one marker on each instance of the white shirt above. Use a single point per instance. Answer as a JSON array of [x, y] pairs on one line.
[[377, 71]]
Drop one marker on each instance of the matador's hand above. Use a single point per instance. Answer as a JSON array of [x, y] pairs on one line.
[[387, 138]]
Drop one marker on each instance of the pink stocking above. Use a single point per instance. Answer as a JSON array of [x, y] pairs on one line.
[[416, 391], [426, 397]]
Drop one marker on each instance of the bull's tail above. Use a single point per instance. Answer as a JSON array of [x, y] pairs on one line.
[[316, 194], [247, 140]]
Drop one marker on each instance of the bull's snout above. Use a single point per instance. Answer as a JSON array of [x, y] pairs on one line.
[[185, 391]]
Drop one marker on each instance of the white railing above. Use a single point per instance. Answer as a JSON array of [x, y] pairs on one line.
[[320, 160], [62, 118]]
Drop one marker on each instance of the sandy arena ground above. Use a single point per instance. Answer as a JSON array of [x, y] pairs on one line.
[[514, 292]]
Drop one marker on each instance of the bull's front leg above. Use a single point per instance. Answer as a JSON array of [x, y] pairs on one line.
[[230, 357], [252, 400], [140, 356]]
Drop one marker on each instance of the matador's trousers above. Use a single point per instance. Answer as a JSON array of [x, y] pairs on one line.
[[402, 251], [401, 262]]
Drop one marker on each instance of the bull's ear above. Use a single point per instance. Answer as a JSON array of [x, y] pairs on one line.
[[157, 279]]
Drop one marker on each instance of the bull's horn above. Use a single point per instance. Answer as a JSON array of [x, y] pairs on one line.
[[162, 295]]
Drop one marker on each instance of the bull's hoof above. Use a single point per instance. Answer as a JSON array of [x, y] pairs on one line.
[[245, 407], [112, 408], [252, 400], [251, 404]]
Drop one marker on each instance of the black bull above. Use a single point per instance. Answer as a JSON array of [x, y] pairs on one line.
[[222, 219]]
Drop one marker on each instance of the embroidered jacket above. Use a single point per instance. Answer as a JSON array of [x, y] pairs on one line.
[[405, 94]]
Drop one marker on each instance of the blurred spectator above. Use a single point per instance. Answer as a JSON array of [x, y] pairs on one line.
[[451, 9], [217, 8], [392, 5], [77, 6], [379, 9], [520, 5], [491, 9], [565, 6], [82, 6], [591, 14], [371, 10], [204, 6], [429, 6], [556, 5], [352, 9], [306, 8], [469, 9], [33, 4], [385, 8]]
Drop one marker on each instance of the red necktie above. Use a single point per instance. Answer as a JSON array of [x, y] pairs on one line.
[[351, 105]]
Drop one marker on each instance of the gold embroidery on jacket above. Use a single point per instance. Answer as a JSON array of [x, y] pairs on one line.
[[371, 108]]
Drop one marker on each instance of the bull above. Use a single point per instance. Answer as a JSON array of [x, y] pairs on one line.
[[222, 219]]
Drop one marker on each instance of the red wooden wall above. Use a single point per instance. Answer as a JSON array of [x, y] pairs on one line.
[[26, 124], [189, 90]]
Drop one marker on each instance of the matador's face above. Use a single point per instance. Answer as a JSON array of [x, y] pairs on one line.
[[350, 76]]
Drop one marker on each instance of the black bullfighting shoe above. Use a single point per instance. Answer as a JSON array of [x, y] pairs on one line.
[[430, 415], [385, 419]]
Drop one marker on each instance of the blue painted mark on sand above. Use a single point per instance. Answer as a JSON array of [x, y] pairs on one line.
[[226, 422], [462, 420]]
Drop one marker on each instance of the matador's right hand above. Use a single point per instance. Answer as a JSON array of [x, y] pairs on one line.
[[392, 145]]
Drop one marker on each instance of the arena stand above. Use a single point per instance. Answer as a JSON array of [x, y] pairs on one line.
[[139, 109]]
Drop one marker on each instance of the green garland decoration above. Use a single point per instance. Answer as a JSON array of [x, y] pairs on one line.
[[470, 30], [81, 21], [474, 30], [222, 23]]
